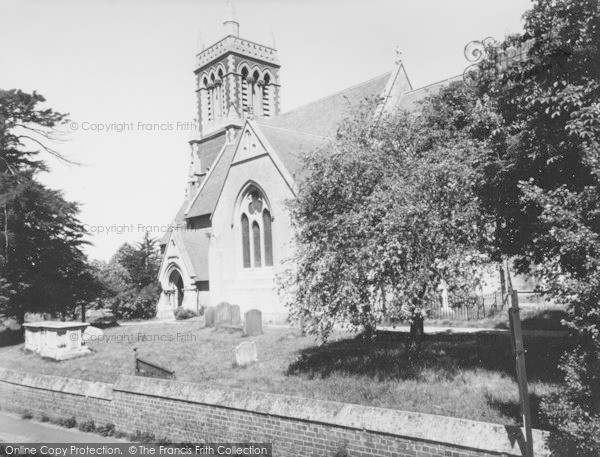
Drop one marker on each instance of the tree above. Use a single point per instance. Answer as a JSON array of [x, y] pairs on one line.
[[129, 284], [542, 187], [141, 261], [386, 214], [43, 267]]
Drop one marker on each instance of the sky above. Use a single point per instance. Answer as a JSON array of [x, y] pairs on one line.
[[114, 62]]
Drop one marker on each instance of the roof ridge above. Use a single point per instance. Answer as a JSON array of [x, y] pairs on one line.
[[301, 132], [432, 84], [334, 94]]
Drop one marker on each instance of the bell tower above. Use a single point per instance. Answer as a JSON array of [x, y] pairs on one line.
[[235, 78]]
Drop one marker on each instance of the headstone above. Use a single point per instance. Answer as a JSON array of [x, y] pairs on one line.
[[222, 314], [235, 315], [93, 332], [209, 316], [245, 353], [253, 323]]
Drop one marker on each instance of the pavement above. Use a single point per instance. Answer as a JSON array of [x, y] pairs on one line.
[[14, 429]]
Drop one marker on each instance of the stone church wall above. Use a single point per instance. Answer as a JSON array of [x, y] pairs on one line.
[[297, 427], [229, 281]]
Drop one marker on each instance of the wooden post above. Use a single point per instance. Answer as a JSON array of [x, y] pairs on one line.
[[503, 293], [135, 368], [518, 348]]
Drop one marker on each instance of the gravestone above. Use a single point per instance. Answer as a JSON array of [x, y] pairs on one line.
[[245, 353], [253, 323], [209, 316], [235, 315], [93, 333], [222, 314]]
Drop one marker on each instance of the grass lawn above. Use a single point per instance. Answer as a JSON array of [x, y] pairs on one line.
[[453, 378]]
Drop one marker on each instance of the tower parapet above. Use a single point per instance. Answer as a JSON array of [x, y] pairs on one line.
[[235, 77]]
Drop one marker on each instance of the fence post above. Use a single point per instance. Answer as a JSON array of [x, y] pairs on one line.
[[519, 352]]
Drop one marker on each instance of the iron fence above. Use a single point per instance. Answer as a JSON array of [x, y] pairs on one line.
[[486, 306]]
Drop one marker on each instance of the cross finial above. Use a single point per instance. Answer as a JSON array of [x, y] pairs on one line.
[[398, 55], [230, 11]]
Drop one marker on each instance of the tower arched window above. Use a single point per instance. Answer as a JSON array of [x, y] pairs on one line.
[[209, 111], [245, 101], [256, 230], [219, 94], [266, 96], [255, 90]]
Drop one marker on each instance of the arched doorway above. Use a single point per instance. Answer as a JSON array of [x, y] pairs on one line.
[[176, 284]]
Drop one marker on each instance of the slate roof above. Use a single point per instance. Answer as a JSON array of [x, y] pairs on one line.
[[323, 116], [195, 246], [290, 146], [409, 101], [209, 150], [178, 221], [205, 200]]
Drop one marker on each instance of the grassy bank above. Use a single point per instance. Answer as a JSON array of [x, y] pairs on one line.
[[458, 377]]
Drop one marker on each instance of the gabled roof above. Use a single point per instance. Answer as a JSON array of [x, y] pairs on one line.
[[290, 146], [205, 200], [178, 221], [409, 101], [323, 116], [194, 249], [209, 150]]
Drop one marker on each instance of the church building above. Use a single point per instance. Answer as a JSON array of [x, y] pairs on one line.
[[232, 232]]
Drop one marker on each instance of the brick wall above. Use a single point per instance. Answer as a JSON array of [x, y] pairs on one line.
[[297, 427]]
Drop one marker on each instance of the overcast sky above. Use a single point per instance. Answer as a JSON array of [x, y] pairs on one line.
[[123, 61]]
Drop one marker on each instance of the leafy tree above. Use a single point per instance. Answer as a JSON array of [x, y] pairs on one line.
[[129, 285], [386, 215], [542, 186]]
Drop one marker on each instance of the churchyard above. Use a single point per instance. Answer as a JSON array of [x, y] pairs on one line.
[[457, 375]]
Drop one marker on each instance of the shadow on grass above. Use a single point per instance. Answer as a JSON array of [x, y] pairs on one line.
[[539, 319], [10, 337], [512, 409], [444, 355]]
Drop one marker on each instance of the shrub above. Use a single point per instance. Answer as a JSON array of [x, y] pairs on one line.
[[87, 426], [44, 418], [574, 411], [184, 313], [143, 437], [27, 414], [139, 304], [106, 430], [69, 422]]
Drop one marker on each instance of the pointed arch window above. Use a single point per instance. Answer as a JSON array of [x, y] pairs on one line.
[[266, 100], [245, 102], [256, 230], [209, 113], [246, 241], [268, 238]]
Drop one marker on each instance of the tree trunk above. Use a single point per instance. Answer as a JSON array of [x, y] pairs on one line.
[[416, 329], [82, 312]]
